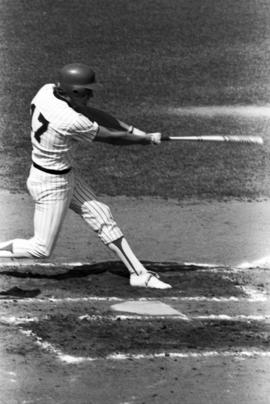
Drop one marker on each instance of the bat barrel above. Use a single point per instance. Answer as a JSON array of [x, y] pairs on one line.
[[220, 138]]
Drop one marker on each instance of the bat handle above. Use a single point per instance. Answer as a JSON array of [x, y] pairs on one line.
[[165, 137]]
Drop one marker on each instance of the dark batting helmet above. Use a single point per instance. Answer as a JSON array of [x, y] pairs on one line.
[[75, 78]]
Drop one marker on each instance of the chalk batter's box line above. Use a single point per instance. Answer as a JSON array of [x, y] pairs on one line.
[[253, 296], [71, 300], [13, 320], [70, 359], [210, 317]]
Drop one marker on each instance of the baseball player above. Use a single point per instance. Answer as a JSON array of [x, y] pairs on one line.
[[60, 121]]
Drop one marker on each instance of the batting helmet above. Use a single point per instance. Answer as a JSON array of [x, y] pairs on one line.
[[76, 78]]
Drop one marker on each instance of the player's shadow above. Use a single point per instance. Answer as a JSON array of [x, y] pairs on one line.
[[79, 271], [60, 273], [19, 293]]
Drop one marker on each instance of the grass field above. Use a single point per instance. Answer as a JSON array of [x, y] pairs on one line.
[[150, 56]]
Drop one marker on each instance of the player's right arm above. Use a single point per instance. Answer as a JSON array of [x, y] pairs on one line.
[[84, 129], [126, 137], [112, 130]]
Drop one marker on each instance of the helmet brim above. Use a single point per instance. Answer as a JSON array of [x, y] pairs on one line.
[[90, 86]]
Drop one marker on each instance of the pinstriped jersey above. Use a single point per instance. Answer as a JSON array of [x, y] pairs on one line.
[[56, 128]]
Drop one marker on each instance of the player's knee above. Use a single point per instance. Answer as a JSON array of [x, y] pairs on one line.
[[44, 254], [97, 212], [41, 251], [106, 211], [30, 248], [40, 254]]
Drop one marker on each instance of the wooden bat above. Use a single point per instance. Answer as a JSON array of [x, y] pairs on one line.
[[219, 138]]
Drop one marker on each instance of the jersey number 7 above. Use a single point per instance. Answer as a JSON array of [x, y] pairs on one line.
[[43, 121]]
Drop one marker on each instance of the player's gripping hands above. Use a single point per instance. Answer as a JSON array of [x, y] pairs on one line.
[[154, 138]]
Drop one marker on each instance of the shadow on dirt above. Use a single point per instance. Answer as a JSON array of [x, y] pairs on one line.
[[111, 278], [115, 267]]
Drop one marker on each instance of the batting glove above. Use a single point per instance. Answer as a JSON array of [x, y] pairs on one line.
[[155, 138]]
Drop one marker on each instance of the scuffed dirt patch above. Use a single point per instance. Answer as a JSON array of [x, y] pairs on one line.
[[103, 336]]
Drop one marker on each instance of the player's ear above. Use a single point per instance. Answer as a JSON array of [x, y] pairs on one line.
[[59, 91]]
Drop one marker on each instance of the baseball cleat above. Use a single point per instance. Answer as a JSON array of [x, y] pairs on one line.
[[148, 280]]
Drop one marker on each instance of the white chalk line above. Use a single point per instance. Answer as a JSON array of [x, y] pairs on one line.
[[261, 263], [6, 372], [251, 298], [118, 299], [70, 359], [13, 320], [15, 262], [48, 347], [210, 317], [200, 354], [201, 267], [30, 263]]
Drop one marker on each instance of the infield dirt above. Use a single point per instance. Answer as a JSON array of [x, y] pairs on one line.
[[165, 235]]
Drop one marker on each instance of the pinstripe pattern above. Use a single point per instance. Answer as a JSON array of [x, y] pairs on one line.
[[94, 212], [52, 196], [53, 149], [56, 128]]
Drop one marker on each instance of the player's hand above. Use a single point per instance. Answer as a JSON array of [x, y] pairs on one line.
[[155, 138]]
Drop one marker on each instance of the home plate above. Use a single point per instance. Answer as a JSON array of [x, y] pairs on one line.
[[153, 308]]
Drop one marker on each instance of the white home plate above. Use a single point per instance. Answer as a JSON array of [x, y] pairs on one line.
[[153, 308]]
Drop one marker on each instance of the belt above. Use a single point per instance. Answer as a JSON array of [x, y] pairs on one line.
[[49, 171]]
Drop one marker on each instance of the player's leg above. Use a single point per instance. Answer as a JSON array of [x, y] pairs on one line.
[[100, 219], [143, 278], [48, 219], [98, 216], [52, 199], [6, 249]]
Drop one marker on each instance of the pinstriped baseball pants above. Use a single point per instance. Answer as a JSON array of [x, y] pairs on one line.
[[53, 196]]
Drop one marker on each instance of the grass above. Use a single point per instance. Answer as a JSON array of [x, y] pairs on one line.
[[149, 55]]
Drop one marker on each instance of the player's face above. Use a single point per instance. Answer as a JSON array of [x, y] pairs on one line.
[[82, 97]]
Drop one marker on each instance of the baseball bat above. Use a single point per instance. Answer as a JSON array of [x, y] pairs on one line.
[[219, 138]]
